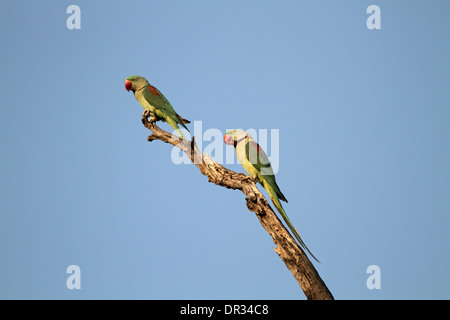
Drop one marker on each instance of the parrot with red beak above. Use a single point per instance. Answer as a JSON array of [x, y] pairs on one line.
[[153, 100], [255, 161]]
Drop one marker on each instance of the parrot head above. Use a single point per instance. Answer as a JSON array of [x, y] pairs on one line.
[[134, 83], [234, 136]]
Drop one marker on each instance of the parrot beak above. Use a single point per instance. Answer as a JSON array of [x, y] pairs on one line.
[[228, 139], [128, 85]]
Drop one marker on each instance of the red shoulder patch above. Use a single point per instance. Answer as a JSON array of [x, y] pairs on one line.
[[153, 90], [256, 144]]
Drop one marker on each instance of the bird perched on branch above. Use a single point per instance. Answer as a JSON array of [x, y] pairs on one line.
[[255, 161], [153, 100]]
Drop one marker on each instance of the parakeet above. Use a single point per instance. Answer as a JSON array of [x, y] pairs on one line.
[[255, 161], [153, 100]]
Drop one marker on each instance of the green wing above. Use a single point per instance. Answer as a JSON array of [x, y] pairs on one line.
[[155, 98], [259, 159]]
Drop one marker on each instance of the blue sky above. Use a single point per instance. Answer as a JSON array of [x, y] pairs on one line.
[[363, 117]]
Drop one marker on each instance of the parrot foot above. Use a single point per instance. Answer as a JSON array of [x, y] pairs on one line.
[[146, 113], [145, 118]]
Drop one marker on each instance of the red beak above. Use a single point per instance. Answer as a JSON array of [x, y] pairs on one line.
[[227, 139], [128, 85]]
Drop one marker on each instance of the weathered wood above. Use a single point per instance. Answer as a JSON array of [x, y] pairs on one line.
[[286, 247]]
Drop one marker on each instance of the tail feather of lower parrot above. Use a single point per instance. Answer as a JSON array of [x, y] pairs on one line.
[[280, 209]]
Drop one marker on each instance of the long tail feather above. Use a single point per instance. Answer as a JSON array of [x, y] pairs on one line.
[[174, 125], [280, 209]]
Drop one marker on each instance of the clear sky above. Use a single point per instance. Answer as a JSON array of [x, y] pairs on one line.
[[363, 118]]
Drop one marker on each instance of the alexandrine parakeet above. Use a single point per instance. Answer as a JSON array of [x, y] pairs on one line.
[[153, 100], [255, 161]]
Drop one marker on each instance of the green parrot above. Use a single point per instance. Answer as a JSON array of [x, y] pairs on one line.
[[255, 161], [153, 100]]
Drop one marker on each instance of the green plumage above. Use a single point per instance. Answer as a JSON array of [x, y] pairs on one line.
[[255, 161], [150, 98]]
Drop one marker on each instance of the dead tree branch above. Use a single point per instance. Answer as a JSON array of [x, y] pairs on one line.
[[286, 247]]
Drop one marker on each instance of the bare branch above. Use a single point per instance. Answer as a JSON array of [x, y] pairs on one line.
[[286, 247]]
